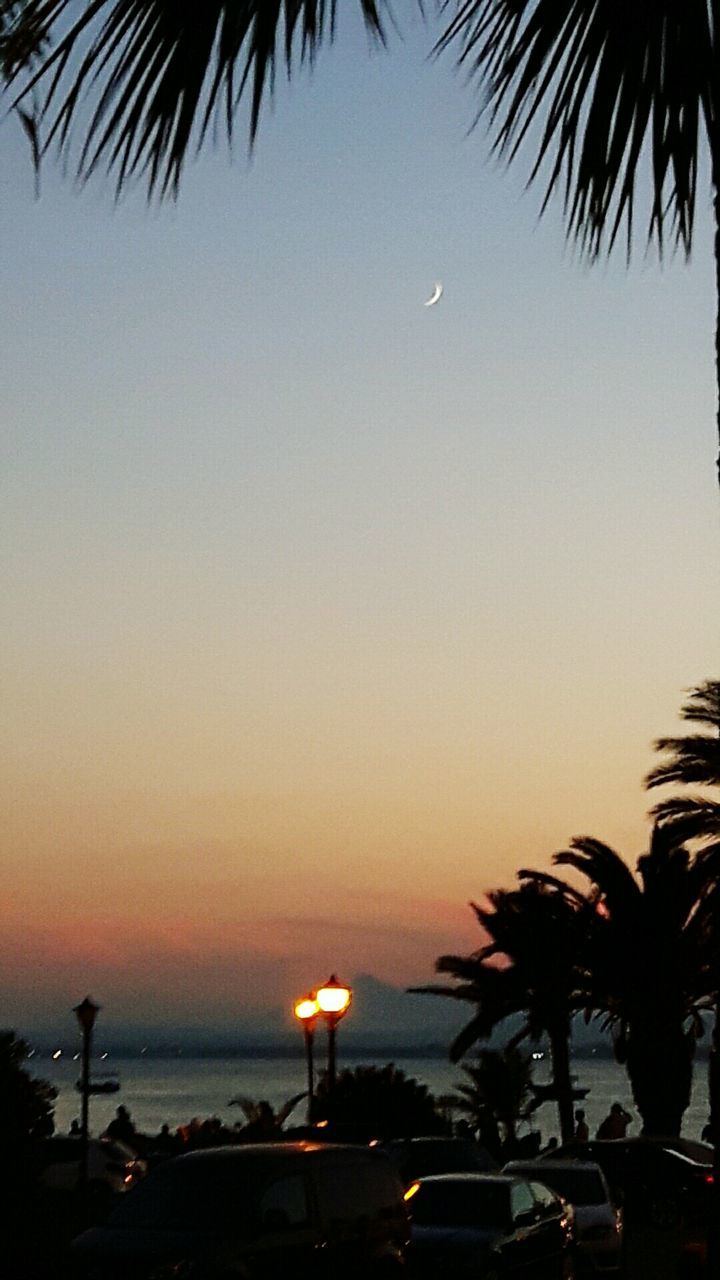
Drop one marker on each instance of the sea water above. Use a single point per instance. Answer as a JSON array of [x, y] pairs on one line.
[[173, 1090]]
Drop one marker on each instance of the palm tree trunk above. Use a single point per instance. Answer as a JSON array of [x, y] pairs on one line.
[[716, 185], [660, 1065], [714, 1064], [559, 1036], [713, 1263]]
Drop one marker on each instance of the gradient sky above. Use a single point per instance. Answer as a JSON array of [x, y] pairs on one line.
[[325, 612]]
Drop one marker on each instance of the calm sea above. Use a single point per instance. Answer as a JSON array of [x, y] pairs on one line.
[[174, 1090]]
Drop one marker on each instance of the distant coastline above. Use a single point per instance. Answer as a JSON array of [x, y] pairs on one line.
[[290, 1049]]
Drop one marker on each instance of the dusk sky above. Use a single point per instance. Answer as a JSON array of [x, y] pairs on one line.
[[325, 612]]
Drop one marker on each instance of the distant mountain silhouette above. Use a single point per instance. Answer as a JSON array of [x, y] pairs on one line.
[[383, 1017]]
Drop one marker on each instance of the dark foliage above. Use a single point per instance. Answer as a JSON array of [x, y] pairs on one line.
[[161, 74], [532, 966], [382, 1100], [610, 87], [26, 1104], [647, 969], [498, 1082]]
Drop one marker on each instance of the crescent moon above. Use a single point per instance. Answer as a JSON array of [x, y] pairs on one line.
[[435, 296]]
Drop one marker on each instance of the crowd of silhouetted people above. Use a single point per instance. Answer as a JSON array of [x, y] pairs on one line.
[[212, 1132], [197, 1133]]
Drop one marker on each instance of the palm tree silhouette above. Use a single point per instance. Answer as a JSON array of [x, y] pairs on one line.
[[648, 967], [602, 90], [531, 968], [498, 1082], [165, 73], [691, 760]]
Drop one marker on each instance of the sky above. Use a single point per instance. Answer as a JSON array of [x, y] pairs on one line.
[[326, 612]]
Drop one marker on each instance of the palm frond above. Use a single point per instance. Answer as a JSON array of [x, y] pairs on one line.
[[548, 881], [617, 85], [690, 817], [693, 760], [154, 74], [703, 704], [21, 40], [603, 867]]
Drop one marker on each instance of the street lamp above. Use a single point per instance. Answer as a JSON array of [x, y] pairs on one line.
[[86, 1013], [333, 1001], [306, 1011]]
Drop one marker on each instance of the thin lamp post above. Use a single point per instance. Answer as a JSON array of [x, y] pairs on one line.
[[334, 1001], [86, 1013], [306, 1011]]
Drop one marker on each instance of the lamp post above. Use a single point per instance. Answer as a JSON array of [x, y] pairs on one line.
[[306, 1011], [86, 1013], [333, 1001]]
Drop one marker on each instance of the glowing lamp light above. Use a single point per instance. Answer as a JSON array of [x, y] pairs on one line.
[[306, 1009], [412, 1191], [334, 998]]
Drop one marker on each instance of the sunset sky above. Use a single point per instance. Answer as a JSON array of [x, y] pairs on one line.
[[325, 612]]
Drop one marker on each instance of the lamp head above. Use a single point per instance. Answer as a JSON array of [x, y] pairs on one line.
[[86, 1013], [334, 998], [306, 1009]]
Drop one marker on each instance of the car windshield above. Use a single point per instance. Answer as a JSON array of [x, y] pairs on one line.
[[461, 1204], [579, 1186], [189, 1196]]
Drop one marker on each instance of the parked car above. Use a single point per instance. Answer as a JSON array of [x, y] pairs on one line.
[[666, 1182], [421, 1157], [487, 1226], [598, 1222], [660, 1179], [307, 1210], [112, 1167]]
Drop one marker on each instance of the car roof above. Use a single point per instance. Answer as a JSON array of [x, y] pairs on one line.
[[697, 1152], [505, 1179], [545, 1166], [430, 1139], [274, 1152]]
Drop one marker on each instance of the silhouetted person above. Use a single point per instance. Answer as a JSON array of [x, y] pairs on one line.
[[582, 1133], [615, 1123], [211, 1132], [264, 1127], [552, 1145], [165, 1141], [75, 1131], [122, 1127], [528, 1147], [488, 1133]]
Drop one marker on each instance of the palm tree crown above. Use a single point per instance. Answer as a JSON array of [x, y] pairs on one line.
[[692, 760], [529, 970], [163, 71], [601, 88], [615, 83], [498, 1082], [649, 966]]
